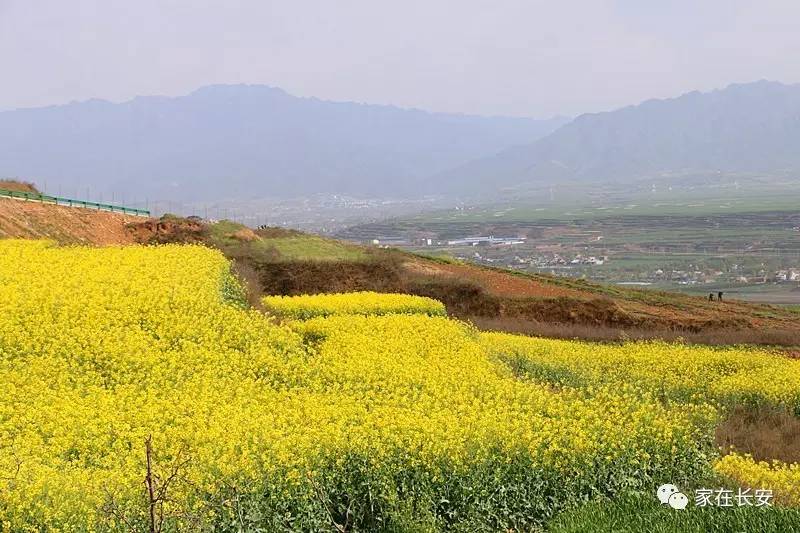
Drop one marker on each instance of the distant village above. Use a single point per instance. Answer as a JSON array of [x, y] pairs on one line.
[[511, 252], [467, 241], [492, 242]]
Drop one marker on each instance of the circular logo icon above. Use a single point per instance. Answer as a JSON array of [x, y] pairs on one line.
[[678, 500], [665, 491]]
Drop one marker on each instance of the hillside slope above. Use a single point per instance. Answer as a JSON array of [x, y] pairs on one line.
[[68, 225], [536, 304], [277, 261], [746, 128]]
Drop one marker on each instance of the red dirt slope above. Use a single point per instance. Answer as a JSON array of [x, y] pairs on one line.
[[68, 225]]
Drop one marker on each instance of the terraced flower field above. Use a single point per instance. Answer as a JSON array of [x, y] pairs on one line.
[[113, 359], [355, 303]]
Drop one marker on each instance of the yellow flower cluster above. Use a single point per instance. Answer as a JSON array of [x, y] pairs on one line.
[[782, 478], [685, 373], [354, 422], [351, 303]]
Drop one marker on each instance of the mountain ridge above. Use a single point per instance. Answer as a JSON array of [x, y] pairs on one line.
[[750, 127], [237, 140], [245, 141]]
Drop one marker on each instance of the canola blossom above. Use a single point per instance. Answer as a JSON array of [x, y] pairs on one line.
[[352, 303], [725, 376], [349, 422], [782, 478]]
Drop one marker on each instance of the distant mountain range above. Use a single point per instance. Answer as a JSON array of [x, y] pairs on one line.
[[245, 141], [745, 128]]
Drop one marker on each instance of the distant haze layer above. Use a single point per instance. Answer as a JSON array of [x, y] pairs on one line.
[[244, 142], [225, 142]]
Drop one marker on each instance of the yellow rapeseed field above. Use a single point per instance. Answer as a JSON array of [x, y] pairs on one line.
[[725, 376], [353, 303], [402, 422], [721, 376], [782, 478]]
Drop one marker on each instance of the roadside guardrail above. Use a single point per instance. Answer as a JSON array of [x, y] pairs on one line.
[[69, 202]]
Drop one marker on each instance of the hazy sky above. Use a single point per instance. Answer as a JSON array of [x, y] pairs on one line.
[[513, 57]]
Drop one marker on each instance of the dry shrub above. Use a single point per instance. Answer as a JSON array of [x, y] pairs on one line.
[[19, 186], [273, 232], [605, 333], [168, 230], [462, 298], [766, 434], [244, 235], [314, 277], [249, 278]]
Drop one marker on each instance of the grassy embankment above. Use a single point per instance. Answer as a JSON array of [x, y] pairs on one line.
[[286, 262]]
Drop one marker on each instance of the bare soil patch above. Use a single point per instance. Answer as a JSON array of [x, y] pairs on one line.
[[166, 230], [498, 283], [68, 225]]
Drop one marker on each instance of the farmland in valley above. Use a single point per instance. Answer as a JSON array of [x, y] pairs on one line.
[[743, 243]]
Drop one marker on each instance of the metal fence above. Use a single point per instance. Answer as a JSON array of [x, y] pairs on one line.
[[57, 200]]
